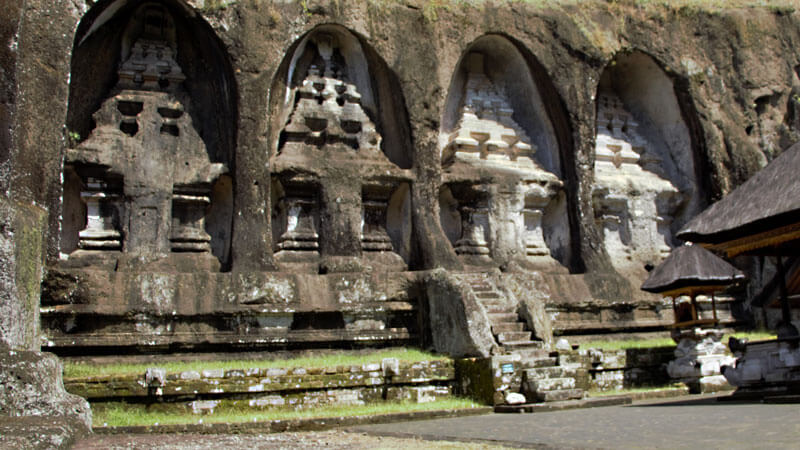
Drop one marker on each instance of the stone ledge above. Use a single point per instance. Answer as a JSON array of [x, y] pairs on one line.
[[568, 404], [280, 426], [592, 402], [265, 339], [40, 432]]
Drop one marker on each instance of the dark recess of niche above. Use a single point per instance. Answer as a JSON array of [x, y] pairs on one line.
[[329, 320]]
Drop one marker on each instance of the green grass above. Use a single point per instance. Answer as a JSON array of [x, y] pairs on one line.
[[668, 342], [751, 335], [79, 369], [628, 344], [123, 414]]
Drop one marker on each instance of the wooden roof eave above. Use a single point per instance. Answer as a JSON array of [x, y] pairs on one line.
[[769, 241], [693, 291]]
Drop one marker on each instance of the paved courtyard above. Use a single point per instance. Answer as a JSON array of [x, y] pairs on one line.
[[686, 422]]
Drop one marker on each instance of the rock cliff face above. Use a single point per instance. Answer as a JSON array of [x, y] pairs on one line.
[[208, 143], [732, 73]]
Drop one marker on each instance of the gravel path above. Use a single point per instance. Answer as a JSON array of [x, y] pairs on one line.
[[329, 440]]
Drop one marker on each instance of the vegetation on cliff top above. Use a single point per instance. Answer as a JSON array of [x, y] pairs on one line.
[[432, 8]]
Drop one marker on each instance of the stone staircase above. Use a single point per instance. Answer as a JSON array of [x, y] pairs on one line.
[[549, 384], [543, 379], [510, 331]]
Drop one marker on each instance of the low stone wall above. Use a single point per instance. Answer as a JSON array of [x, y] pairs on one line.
[[487, 379], [607, 370], [208, 390]]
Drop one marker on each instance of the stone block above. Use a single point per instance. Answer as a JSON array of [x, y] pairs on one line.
[[31, 385], [22, 249], [40, 432], [458, 323], [560, 395]]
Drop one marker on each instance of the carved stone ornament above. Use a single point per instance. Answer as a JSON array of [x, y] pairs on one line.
[[147, 174], [633, 205]]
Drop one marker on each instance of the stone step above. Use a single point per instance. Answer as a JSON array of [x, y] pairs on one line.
[[485, 295], [547, 384], [515, 345], [560, 395], [513, 336], [540, 373], [494, 308], [536, 362], [503, 317], [508, 326]]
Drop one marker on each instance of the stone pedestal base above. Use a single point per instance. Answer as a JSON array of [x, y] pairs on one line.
[[34, 407], [768, 366], [698, 359]]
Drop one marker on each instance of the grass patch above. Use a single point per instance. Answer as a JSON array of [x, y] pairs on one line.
[[628, 344], [123, 414], [751, 335], [80, 369], [668, 342]]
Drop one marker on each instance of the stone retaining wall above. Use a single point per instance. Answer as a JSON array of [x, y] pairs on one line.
[[607, 370], [207, 390], [487, 379]]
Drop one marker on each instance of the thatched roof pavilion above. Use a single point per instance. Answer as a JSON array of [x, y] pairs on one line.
[[760, 217], [691, 270]]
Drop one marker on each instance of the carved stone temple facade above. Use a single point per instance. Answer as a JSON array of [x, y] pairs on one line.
[[230, 175], [144, 175]]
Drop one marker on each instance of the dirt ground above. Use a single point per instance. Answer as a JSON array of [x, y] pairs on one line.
[[329, 440]]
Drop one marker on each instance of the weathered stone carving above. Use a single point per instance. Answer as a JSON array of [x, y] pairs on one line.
[[188, 220], [475, 227], [102, 217], [698, 359], [486, 129], [375, 202], [148, 176], [328, 108], [537, 197], [298, 216], [633, 205], [763, 366], [503, 218], [336, 178]]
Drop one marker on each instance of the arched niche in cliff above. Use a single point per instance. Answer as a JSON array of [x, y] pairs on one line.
[[646, 162], [506, 151], [149, 76], [356, 63], [340, 150]]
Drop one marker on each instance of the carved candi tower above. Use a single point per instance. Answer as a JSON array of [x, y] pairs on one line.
[[634, 206], [491, 170], [332, 182], [146, 174]]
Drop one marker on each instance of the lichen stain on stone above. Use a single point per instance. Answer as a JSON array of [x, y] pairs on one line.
[[157, 290], [254, 289], [354, 291]]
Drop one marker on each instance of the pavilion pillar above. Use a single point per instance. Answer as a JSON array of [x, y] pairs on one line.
[[785, 329]]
